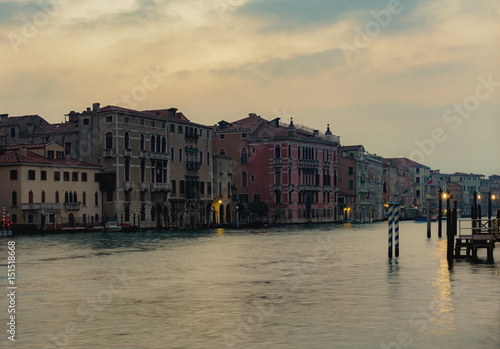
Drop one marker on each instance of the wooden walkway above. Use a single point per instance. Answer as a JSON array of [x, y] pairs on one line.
[[474, 234]]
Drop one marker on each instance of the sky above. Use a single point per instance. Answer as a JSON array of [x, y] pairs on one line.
[[405, 78]]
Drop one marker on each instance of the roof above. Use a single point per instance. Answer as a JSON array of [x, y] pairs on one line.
[[352, 148], [246, 123], [15, 158], [12, 120], [156, 113], [28, 146], [405, 162], [50, 129]]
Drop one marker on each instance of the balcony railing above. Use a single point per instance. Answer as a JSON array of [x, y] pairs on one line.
[[159, 156], [41, 206], [309, 187], [143, 186], [127, 152], [128, 185], [160, 186], [308, 162], [277, 161], [107, 153], [72, 206], [328, 188], [193, 165], [326, 163], [277, 187]]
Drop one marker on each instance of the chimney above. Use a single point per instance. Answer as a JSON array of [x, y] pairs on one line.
[[88, 109], [316, 133], [96, 107], [4, 117], [291, 128], [23, 151], [72, 116], [173, 112]]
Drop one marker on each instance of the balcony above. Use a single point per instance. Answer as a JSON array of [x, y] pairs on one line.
[[41, 206], [127, 152], [143, 154], [107, 153], [193, 165], [143, 186], [72, 206], [159, 156], [160, 186], [192, 136], [309, 187], [326, 164], [327, 188], [308, 162], [128, 185], [277, 161], [277, 187]]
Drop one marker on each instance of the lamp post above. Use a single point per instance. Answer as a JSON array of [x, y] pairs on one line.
[[440, 212], [429, 197]]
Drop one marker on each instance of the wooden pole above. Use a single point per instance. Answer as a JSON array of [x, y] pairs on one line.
[[449, 232], [428, 217], [440, 213]]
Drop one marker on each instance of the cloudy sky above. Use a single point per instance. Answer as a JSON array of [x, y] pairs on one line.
[[413, 78]]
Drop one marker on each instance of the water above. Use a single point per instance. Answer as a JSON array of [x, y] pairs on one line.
[[328, 286]]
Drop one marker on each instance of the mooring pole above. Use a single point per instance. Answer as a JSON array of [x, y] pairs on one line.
[[440, 213], [391, 208], [396, 229], [429, 216], [449, 231]]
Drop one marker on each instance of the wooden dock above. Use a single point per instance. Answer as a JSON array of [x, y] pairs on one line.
[[474, 234]]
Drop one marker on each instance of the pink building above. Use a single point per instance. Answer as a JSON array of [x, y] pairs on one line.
[[292, 169]]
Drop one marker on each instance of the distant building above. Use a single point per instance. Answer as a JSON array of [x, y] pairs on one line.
[[470, 183], [49, 192], [18, 129], [361, 184], [222, 208], [390, 187]]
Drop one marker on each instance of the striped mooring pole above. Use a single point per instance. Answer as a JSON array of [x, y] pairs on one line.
[[391, 208], [396, 229], [3, 217]]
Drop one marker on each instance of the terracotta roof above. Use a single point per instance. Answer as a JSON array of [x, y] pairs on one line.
[[11, 120], [28, 146], [404, 162], [352, 147], [157, 113], [251, 121], [466, 174], [12, 158]]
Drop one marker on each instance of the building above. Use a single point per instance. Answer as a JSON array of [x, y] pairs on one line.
[[470, 183], [361, 185], [390, 186], [222, 209], [49, 192], [17, 129], [292, 169]]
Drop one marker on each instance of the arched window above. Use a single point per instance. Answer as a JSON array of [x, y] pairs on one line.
[[244, 179], [66, 197], [277, 152], [70, 197], [14, 198], [126, 142], [222, 152], [152, 143], [56, 199], [30, 197], [109, 140], [142, 141], [158, 144], [244, 155], [163, 145], [43, 196], [84, 199]]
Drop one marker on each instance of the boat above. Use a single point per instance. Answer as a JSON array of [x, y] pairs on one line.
[[424, 219], [111, 225]]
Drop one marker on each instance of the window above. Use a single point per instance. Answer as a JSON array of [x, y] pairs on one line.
[[84, 176], [256, 197], [13, 175], [220, 189], [126, 120], [56, 197], [109, 196], [74, 176], [418, 193], [181, 187], [43, 175], [418, 179], [43, 196], [277, 152], [50, 154], [179, 129], [13, 132], [153, 123], [127, 169], [59, 154], [31, 219], [143, 170], [351, 184], [209, 188], [202, 188], [174, 187], [109, 140], [172, 154], [141, 122], [109, 118], [277, 177], [14, 198], [153, 143], [57, 176], [254, 150], [222, 152], [244, 179], [141, 142], [201, 158], [351, 170], [31, 175], [208, 159], [228, 189], [163, 145], [96, 199], [30, 197], [277, 197], [244, 135], [84, 199], [222, 136], [67, 148], [244, 155], [172, 128], [180, 155], [208, 134], [252, 178], [126, 141]]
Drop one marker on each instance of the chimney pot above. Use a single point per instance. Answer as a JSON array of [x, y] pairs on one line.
[[96, 107]]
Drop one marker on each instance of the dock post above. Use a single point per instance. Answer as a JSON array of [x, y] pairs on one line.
[[455, 217], [396, 229], [440, 213], [449, 232], [391, 208], [429, 216]]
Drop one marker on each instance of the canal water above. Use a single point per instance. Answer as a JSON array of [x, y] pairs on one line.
[[321, 286]]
